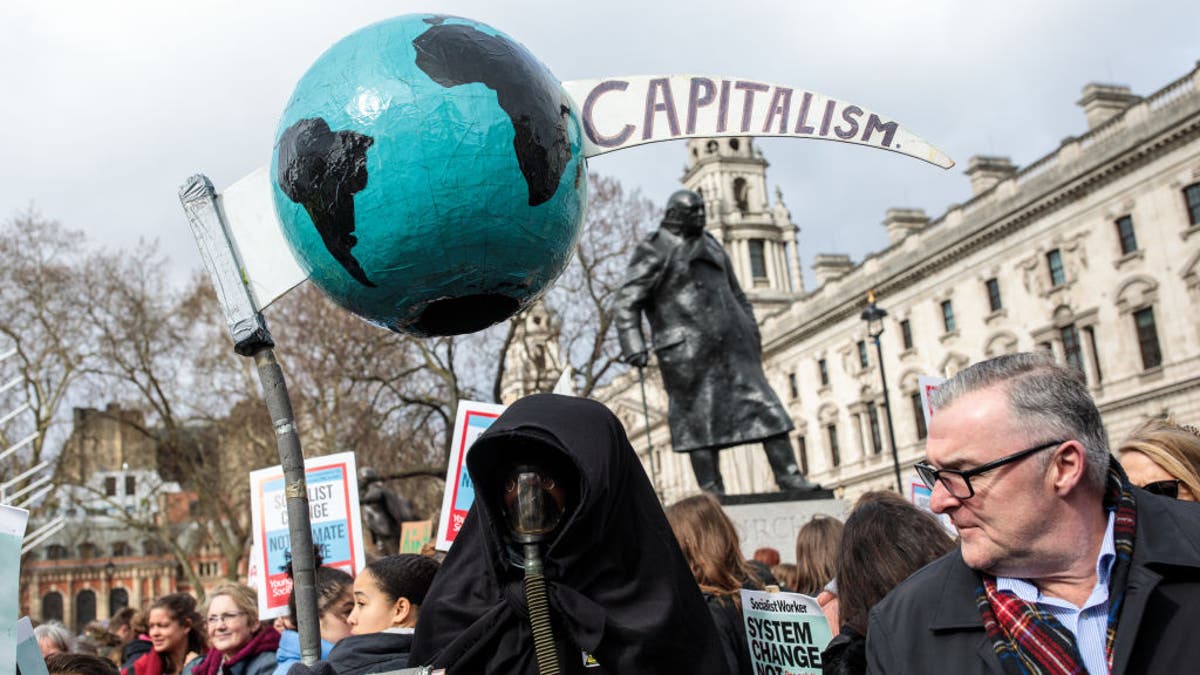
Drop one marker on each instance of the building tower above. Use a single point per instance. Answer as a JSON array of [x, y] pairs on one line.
[[532, 364], [731, 175]]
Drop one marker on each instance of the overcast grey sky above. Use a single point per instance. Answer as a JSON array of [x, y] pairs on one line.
[[109, 105]]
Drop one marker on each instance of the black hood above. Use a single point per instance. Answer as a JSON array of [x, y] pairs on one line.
[[618, 585]]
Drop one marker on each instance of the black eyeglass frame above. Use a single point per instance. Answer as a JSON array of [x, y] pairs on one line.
[[931, 476]]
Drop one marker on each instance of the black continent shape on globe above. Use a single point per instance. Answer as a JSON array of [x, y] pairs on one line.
[[322, 170], [455, 54]]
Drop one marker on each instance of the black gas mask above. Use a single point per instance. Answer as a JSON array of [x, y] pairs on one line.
[[537, 496], [534, 503]]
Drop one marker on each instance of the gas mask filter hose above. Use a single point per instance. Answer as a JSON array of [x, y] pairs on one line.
[[531, 516]]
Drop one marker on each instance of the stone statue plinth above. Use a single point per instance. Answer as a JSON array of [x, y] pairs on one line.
[[773, 519]]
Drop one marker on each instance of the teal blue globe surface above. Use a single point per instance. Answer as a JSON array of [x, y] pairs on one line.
[[428, 174]]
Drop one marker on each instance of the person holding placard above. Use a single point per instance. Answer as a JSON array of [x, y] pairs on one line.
[[710, 545]]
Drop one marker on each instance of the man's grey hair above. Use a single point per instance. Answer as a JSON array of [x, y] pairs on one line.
[[1048, 401], [57, 634]]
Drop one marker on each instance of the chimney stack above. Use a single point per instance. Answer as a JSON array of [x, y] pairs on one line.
[[902, 222], [986, 172], [830, 266], [1102, 102]]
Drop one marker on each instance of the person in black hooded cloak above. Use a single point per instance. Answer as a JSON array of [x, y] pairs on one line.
[[618, 586]]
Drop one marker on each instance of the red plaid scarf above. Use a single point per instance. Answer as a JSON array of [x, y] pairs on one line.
[[1031, 641]]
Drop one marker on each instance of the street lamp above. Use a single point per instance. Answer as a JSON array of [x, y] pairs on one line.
[[874, 316]]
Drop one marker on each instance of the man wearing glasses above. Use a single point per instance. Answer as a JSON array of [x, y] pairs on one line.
[[1063, 566]]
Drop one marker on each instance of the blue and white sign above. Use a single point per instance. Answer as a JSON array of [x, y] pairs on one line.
[[332, 483], [472, 419]]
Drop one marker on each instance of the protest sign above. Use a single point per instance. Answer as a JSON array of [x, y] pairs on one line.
[[919, 495], [414, 534], [12, 533], [336, 524], [471, 420], [927, 385], [254, 567], [28, 654], [786, 632]]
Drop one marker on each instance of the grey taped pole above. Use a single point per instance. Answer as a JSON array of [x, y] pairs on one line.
[[295, 490], [245, 322], [252, 339]]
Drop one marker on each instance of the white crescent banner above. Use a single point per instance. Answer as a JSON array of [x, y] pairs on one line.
[[617, 112], [621, 112]]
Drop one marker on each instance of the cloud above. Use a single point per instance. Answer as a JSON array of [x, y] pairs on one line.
[[110, 106]]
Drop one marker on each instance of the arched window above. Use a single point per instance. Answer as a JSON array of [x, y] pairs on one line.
[[118, 599], [741, 194], [87, 550], [52, 607], [120, 549], [56, 552], [85, 609], [1002, 342]]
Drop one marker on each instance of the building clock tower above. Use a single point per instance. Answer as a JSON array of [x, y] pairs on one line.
[[730, 174]]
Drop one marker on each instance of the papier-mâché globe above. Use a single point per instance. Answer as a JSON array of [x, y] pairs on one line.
[[428, 175]]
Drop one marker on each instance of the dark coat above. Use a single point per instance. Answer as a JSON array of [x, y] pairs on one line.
[[930, 622], [706, 340], [134, 650], [732, 631], [846, 654], [371, 653], [619, 588]]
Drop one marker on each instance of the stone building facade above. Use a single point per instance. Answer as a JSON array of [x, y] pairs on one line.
[[1091, 252], [97, 563]]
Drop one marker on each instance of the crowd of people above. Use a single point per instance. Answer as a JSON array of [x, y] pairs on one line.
[[371, 619], [1065, 558]]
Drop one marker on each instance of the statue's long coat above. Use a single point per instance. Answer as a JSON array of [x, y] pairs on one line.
[[705, 338]]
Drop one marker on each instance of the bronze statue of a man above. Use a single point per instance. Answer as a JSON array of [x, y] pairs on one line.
[[383, 510], [708, 347]]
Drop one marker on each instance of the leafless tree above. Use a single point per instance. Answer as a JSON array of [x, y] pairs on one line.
[[582, 298], [42, 319], [160, 350], [390, 398]]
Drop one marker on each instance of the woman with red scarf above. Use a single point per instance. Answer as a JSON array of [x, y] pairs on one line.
[[175, 637], [240, 644]]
